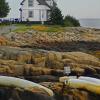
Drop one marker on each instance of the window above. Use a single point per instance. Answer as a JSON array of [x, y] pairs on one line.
[[30, 14], [30, 3]]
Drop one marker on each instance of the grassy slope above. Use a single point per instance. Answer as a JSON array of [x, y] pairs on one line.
[[42, 28]]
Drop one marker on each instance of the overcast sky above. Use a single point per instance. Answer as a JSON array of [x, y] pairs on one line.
[[76, 8]]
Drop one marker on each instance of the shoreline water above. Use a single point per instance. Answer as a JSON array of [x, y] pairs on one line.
[[90, 23]]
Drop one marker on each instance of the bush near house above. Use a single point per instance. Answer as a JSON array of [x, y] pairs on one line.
[[71, 21]]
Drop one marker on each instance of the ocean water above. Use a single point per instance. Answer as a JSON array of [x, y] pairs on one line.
[[91, 23]]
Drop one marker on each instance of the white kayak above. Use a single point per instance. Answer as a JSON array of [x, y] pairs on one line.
[[23, 84], [90, 79], [84, 84]]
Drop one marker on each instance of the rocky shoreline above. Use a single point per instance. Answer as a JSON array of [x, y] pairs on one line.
[[41, 56]]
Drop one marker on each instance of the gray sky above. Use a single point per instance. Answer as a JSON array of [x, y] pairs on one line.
[[76, 8]]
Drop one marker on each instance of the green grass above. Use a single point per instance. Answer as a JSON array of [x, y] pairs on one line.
[[2, 25], [22, 28], [55, 29], [50, 28]]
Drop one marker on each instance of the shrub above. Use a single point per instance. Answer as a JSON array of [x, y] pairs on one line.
[[71, 21]]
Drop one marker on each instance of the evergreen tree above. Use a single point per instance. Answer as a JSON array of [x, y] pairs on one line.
[[4, 8], [56, 17]]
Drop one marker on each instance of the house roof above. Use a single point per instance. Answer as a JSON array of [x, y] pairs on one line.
[[42, 2], [22, 2]]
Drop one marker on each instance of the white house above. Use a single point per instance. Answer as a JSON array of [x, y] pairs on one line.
[[36, 10]]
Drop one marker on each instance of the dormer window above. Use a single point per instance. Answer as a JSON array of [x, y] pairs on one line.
[[30, 3]]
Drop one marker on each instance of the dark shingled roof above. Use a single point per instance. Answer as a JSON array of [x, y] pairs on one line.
[[42, 2], [22, 2]]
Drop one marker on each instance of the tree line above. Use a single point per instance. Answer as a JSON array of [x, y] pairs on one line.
[[4, 8], [56, 18]]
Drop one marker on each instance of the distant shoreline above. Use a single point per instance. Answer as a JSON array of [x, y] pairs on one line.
[[90, 23]]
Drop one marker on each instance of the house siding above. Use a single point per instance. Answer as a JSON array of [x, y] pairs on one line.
[[40, 11]]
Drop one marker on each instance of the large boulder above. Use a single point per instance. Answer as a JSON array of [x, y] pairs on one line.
[[80, 63], [81, 58], [37, 71], [3, 41]]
